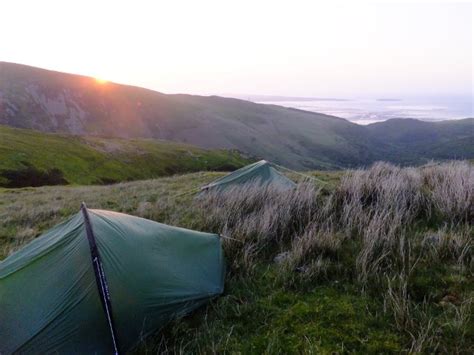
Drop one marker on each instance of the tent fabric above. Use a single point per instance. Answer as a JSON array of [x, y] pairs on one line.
[[49, 299], [261, 173]]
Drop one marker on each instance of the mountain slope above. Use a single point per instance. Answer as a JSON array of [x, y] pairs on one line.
[[412, 141], [29, 158], [57, 102]]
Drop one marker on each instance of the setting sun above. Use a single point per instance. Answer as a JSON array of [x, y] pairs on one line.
[[100, 81]]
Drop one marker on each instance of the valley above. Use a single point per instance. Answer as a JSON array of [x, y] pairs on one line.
[[50, 101]]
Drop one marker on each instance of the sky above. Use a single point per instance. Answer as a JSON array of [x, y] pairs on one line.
[[293, 48]]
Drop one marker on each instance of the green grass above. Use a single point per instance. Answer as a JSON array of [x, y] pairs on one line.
[[260, 312], [92, 160], [255, 315]]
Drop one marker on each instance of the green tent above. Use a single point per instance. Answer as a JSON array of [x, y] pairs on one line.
[[261, 173], [101, 281]]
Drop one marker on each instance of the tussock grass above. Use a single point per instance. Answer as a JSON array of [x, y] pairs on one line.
[[379, 261], [257, 219], [451, 190], [377, 228]]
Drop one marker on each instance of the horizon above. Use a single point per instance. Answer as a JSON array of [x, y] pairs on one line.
[[359, 110], [253, 96], [368, 56]]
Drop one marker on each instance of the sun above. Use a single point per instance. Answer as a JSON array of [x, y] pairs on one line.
[[100, 81]]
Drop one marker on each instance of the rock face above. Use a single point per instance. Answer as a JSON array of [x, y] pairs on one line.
[[57, 102]]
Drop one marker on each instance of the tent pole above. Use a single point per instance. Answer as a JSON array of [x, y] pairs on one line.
[[102, 285]]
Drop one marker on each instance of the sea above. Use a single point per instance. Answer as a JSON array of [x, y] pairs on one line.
[[369, 110]]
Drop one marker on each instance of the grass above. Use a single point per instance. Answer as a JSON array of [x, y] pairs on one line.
[[256, 317], [92, 160], [376, 261]]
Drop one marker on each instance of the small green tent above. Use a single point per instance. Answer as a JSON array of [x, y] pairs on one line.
[[101, 281], [260, 173]]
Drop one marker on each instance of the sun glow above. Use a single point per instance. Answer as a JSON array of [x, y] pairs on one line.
[[294, 48], [100, 81]]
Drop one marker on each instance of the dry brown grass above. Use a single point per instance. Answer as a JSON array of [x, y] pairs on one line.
[[382, 228], [254, 220], [378, 226], [451, 190], [381, 208], [26, 213]]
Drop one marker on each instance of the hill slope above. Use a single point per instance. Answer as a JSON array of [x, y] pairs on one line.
[[27, 156], [413, 142], [57, 102]]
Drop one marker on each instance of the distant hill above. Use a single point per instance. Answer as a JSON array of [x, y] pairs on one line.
[[49, 101], [31, 158], [277, 98], [412, 141]]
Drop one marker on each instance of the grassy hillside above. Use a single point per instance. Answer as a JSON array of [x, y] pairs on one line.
[[57, 102], [412, 141], [49, 101], [93, 160], [377, 261]]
